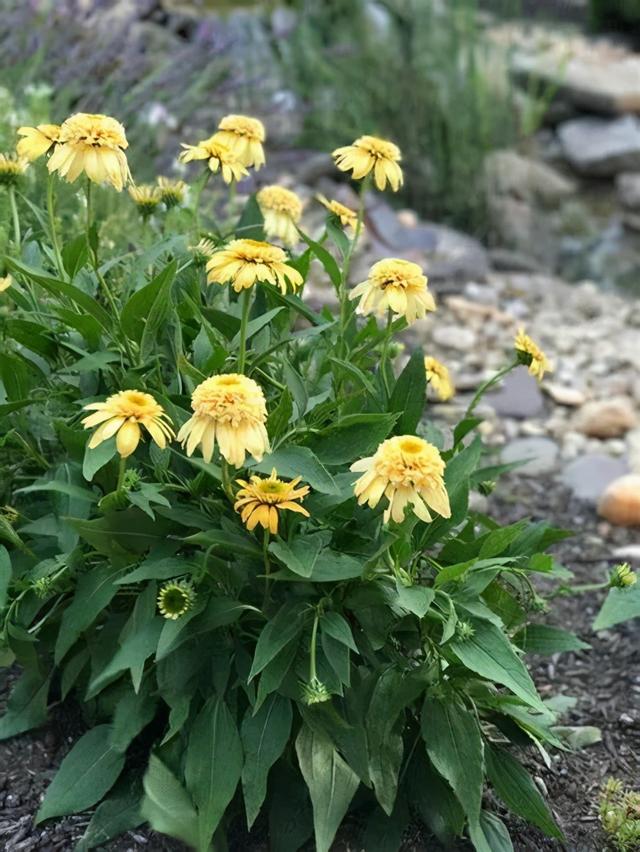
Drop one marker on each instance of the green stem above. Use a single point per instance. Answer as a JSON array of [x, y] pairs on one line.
[[267, 568], [226, 481], [204, 180], [344, 283], [313, 674], [385, 352], [52, 227], [244, 321], [485, 386], [16, 219], [122, 469]]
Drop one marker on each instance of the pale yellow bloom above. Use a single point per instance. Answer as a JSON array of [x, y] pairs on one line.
[[244, 135], [348, 217], [146, 198], [123, 414], [244, 263], [12, 168], [370, 154], [530, 354], [282, 210], [172, 192], [260, 500], [396, 285], [438, 376], [89, 143], [407, 471], [231, 410], [5, 282], [176, 598], [219, 155], [36, 141], [203, 250]]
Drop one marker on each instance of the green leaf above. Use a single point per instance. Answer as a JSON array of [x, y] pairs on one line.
[[213, 766], [27, 704], [326, 259], [133, 713], [434, 800], [353, 438], [132, 654], [166, 804], [96, 459], [516, 788], [300, 555], [415, 599], [154, 568], [452, 738], [219, 612], [299, 461], [76, 492], [281, 415], [85, 775], [285, 626], [264, 737], [409, 394], [326, 566], [120, 533], [9, 407], [544, 639], [335, 625], [251, 222], [75, 253], [489, 653], [619, 605], [5, 574], [93, 593], [331, 783], [115, 815], [256, 325], [490, 834], [148, 305]]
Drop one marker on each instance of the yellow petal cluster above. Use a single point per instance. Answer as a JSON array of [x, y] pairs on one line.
[[408, 471], [260, 500], [348, 217], [231, 410], [397, 285], [438, 376], [172, 192], [36, 141], [367, 155], [123, 414], [244, 263], [12, 167], [529, 353], [5, 282], [244, 136], [146, 197], [219, 155], [281, 209]]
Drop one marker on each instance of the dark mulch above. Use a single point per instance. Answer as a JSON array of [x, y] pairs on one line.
[[605, 680]]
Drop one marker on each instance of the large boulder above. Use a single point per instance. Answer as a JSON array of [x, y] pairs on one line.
[[601, 147], [509, 173]]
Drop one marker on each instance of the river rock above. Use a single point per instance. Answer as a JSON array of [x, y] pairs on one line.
[[570, 397], [628, 189], [589, 476], [454, 337], [601, 147], [519, 396], [541, 454], [606, 418], [509, 173], [620, 503]]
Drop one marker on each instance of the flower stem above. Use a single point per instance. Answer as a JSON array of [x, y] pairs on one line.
[[226, 480], [313, 674], [344, 283], [16, 218], [52, 227], [244, 321], [204, 180], [122, 468], [384, 354], [267, 567], [485, 386]]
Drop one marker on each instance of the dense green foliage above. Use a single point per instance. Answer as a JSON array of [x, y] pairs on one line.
[[614, 14]]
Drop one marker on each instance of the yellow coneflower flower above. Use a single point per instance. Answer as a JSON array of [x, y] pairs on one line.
[[244, 135], [219, 155], [146, 198], [623, 576], [438, 376], [202, 251], [260, 500], [370, 154], [530, 354], [123, 414], [176, 598], [244, 263], [172, 192], [37, 140], [348, 217], [408, 471], [85, 142], [5, 282], [12, 168], [394, 284], [231, 410], [282, 210]]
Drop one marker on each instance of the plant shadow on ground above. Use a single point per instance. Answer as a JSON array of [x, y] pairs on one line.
[[602, 680]]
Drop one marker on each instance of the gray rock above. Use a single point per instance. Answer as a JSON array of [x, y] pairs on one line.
[[508, 260], [542, 454], [602, 147], [606, 418], [519, 396], [509, 173], [454, 337], [628, 189], [589, 476]]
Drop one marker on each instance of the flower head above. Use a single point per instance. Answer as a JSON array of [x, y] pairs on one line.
[[396, 285], [5, 282], [202, 251], [282, 210], [530, 354], [260, 500], [438, 376], [146, 198], [36, 141], [220, 157], [623, 577], [406, 470], [314, 692], [370, 154], [12, 168], [244, 263], [244, 136], [348, 217], [231, 409], [176, 598], [172, 192], [89, 143], [123, 415]]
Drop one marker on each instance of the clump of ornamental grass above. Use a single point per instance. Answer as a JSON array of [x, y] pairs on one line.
[[236, 533], [620, 815]]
